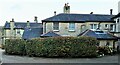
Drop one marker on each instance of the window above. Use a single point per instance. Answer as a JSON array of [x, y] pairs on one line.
[[98, 44], [117, 20], [99, 32], [106, 25], [56, 26], [107, 44], [94, 26], [18, 31], [71, 26], [91, 26], [112, 27], [83, 28]]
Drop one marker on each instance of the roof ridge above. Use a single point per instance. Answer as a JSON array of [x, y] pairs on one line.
[[112, 34], [85, 32], [86, 14]]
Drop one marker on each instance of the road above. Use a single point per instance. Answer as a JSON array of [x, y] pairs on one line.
[[25, 59]]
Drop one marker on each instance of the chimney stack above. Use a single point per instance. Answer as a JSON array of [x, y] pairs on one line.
[[36, 19], [66, 8], [28, 24], [111, 11], [12, 33], [54, 12], [12, 20]]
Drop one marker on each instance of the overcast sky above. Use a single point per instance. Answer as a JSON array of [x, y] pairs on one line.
[[25, 10]]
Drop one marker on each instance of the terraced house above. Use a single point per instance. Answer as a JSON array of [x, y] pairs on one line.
[[1, 35], [70, 24], [99, 26], [117, 19], [14, 29]]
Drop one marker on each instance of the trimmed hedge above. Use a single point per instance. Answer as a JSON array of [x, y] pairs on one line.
[[15, 46], [105, 50], [54, 47]]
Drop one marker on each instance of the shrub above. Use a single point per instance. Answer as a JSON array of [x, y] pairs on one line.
[[2, 46], [15, 46], [105, 50], [63, 47], [54, 47]]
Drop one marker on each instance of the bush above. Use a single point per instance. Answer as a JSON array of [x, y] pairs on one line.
[[105, 50], [63, 47], [15, 46], [54, 47], [2, 46]]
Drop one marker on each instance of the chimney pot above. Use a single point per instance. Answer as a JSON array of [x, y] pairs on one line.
[[111, 11], [36, 19], [54, 12], [66, 8], [28, 24], [27, 21], [12, 20], [65, 4], [91, 13]]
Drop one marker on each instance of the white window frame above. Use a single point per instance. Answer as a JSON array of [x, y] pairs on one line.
[[113, 27], [83, 27], [54, 25], [92, 26], [107, 26], [71, 28], [107, 43]]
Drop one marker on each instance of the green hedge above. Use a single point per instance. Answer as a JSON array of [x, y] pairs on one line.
[[54, 47], [15, 46]]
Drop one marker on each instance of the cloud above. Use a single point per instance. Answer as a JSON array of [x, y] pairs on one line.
[[23, 10]]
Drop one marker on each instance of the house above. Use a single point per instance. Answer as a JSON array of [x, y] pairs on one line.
[[105, 38], [117, 19], [1, 35], [14, 29], [68, 24]]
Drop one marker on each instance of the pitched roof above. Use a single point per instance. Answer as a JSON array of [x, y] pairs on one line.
[[118, 15], [23, 25], [50, 34], [99, 35], [30, 33], [80, 18]]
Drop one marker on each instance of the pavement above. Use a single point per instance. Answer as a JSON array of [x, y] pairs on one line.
[[25, 59]]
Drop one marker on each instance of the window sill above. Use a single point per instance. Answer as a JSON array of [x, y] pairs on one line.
[[56, 30], [93, 29], [71, 30]]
